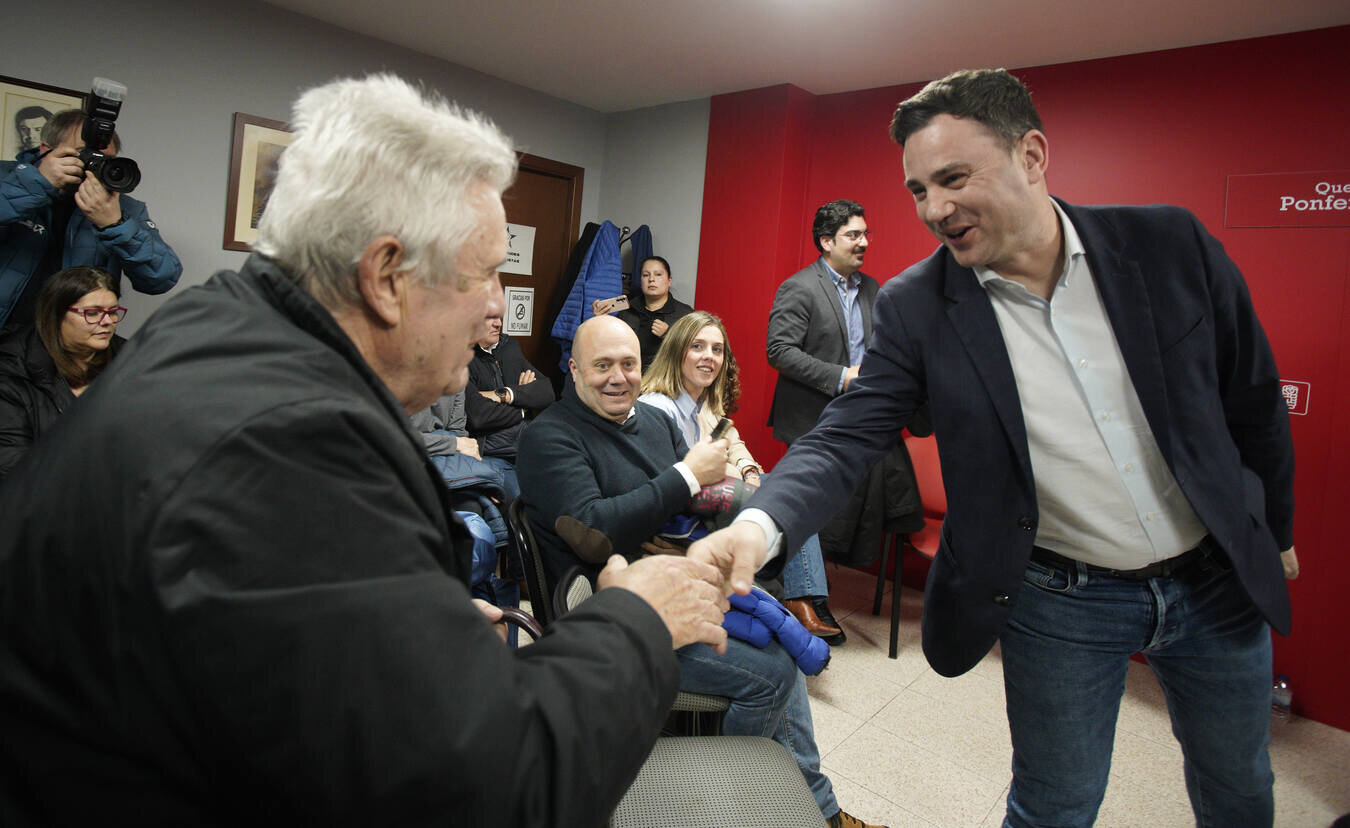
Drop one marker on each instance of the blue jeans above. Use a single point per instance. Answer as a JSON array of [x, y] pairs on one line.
[[1066, 649], [768, 698], [804, 573], [483, 580]]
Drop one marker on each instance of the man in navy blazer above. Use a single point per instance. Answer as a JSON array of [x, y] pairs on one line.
[[1115, 448]]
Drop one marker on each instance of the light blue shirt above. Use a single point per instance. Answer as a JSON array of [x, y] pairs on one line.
[[1104, 492], [847, 287], [683, 410]]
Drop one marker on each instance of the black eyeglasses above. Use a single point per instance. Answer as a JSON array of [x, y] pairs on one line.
[[94, 316]]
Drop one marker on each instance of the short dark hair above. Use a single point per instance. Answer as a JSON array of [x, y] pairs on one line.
[[992, 97], [830, 217], [30, 112], [63, 122], [663, 262], [61, 290]]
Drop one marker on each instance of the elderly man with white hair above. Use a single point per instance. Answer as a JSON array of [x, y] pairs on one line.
[[232, 589]]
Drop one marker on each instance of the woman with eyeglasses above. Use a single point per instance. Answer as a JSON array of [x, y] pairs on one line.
[[45, 366]]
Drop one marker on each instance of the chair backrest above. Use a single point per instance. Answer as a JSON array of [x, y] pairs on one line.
[[573, 588], [523, 536], [923, 453]]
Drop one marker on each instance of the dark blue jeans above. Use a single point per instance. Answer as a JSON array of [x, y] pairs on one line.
[[1065, 653]]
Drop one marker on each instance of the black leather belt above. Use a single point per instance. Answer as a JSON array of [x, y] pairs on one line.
[[1161, 569]]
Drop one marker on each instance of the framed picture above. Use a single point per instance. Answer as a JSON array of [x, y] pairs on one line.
[[257, 147], [27, 107]]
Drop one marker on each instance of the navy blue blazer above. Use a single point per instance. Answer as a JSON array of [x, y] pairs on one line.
[[1200, 363]]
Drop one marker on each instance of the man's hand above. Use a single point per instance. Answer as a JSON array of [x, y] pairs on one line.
[[489, 395], [62, 168], [850, 375], [526, 377], [468, 447], [1290, 560], [493, 615], [659, 328], [737, 551], [708, 461], [102, 208], [686, 594]]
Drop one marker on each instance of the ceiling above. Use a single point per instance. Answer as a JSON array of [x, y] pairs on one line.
[[615, 55]]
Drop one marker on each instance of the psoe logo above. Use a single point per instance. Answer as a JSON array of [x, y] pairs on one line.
[[1326, 195], [1296, 395]]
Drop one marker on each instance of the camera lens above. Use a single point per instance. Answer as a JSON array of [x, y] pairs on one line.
[[121, 175]]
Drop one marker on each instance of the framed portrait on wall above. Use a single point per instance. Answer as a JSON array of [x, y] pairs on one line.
[[257, 147], [25, 108]]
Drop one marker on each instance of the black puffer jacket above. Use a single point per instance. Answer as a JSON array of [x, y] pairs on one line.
[[32, 392]]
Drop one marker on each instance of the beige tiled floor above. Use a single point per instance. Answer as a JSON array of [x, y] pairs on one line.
[[906, 747]]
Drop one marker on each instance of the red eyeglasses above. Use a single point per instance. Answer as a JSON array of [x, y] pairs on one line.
[[94, 316]]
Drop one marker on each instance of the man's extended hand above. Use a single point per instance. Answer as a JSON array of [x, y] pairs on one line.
[[708, 460], [101, 207], [686, 594], [62, 167], [737, 551], [1289, 558]]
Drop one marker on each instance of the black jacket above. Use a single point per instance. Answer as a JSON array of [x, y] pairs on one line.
[[32, 392], [256, 611], [497, 426], [640, 320]]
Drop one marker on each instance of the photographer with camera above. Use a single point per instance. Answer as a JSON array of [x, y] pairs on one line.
[[62, 205]]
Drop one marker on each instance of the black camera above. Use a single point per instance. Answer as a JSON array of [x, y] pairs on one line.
[[120, 175]]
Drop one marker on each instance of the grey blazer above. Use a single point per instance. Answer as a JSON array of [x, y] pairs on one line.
[[808, 346]]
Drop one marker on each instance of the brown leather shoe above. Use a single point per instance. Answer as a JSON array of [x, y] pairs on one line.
[[843, 820], [804, 611]]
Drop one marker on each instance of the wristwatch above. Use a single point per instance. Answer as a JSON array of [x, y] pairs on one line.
[[503, 396]]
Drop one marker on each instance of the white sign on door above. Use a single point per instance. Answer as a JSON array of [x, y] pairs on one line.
[[519, 319], [519, 250]]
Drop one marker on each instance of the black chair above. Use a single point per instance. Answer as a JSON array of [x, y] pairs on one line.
[[520, 618], [527, 548]]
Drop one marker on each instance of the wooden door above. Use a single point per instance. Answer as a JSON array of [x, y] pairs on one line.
[[547, 197]]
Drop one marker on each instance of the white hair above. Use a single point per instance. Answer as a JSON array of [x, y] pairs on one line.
[[371, 157]]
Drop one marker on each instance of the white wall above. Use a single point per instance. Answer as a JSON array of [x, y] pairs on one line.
[[655, 161], [190, 65]]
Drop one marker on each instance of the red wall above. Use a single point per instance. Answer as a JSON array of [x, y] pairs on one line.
[[1159, 127]]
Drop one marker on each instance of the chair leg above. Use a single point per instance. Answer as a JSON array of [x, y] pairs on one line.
[[881, 577], [895, 598]]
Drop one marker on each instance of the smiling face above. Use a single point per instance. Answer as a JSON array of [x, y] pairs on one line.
[[844, 250], [703, 360], [977, 197], [606, 367], [80, 337]]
